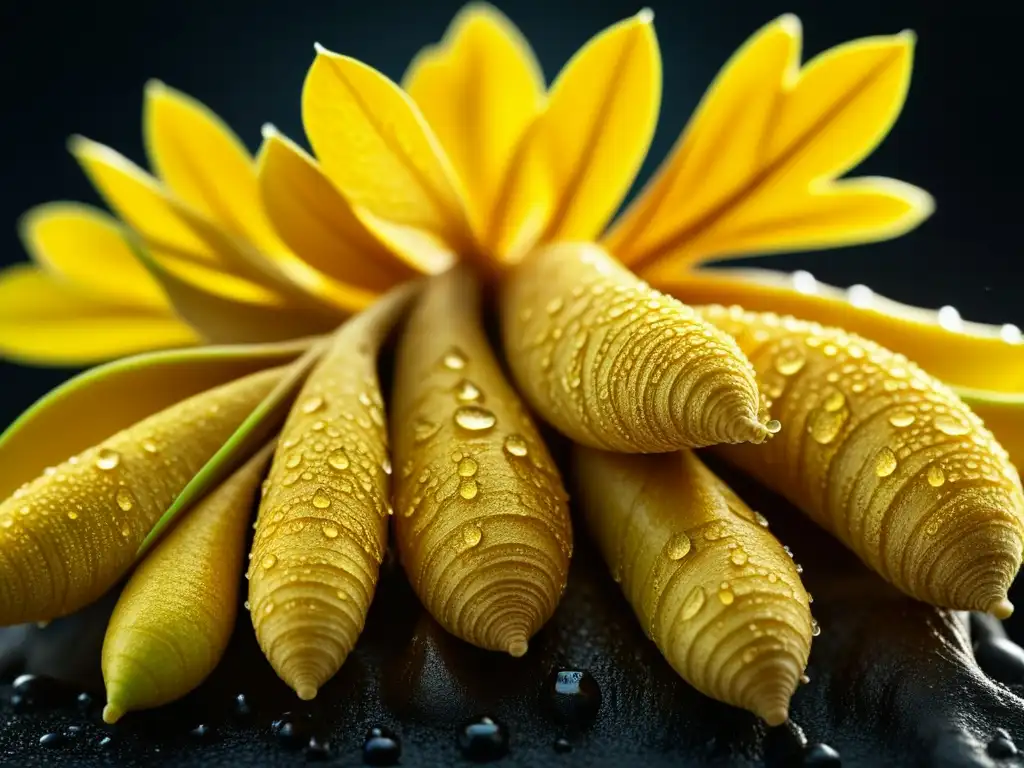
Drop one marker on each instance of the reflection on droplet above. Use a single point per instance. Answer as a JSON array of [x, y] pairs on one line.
[[804, 282], [338, 460], [107, 459], [825, 425], [885, 462], [726, 595], [678, 546], [472, 535], [950, 426], [269, 561], [789, 361], [423, 430], [693, 603], [902, 419], [815, 628], [467, 392], [312, 404], [125, 500], [860, 295], [773, 426], [469, 489], [516, 445], [321, 500], [467, 467], [936, 477], [475, 418], [761, 519], [454, 359], [330, 532], [739, 557], [834, 401], [149, 446], [72, 515], [1011, 334]]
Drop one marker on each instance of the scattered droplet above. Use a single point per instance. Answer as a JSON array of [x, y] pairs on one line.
[[1011, 334], [475, 418], [516, 445], [202, 732], [804, 282], [51, 740], [321, 500], [469, 489], [1001, 747], [339, 460], [467, 467], [385, 466], [269, 562], [678, 546], [483, 739], [834, 401], [790, 360], [761, 519], [885, 462], [107, 459], [936, 477], [454, 359], [739, 557], [472, 535], [330, 532], [825, 425], [902, 419], [693, 603], [573, 697], [860, 295], [562, 745], [773, 426], [821, 756], [815, 628], [149, 446], [423, 430], [72, 515], [949, 318], [317, 750], [467, 392], [312, 404], [947, 425], [124, 499], [726, 595], [381, 747]]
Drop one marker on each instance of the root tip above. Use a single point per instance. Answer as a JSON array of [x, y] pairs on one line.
[[1001, 609], [517, 647], [752, 431], [306, 691], [775, 715], [112, 713]]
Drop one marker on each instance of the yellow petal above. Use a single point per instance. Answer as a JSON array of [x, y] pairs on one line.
[[322, 526], [104, 400], [318, 223], [43, 320], [85, 247], [1003, 413], [479, 89], [377, 149], [984, 357], [767, 139], [204, 164], [69, 535], [597, 128], [174, 618]]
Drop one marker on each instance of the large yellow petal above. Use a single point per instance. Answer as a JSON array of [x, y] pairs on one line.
[[43, 320], [597, 128], [86, 247], [1003, 414], [479, 89], [767, 139], [204, 164], [318, 223], [974, 355], [104, 400], [377, 149]]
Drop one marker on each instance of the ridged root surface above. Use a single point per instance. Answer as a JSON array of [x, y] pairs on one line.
[[69, 535], [481, 519], [885, 457], [322, 527], [712, 587], [614, 364]]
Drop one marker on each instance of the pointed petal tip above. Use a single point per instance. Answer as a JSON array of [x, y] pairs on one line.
[[305, 690], [1002, 609], [517, 646], [112, 713]]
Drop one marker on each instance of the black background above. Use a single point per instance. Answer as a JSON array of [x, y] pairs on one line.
[[74, 67]]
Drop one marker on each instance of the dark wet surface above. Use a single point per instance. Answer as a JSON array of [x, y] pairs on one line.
[[893, 682]]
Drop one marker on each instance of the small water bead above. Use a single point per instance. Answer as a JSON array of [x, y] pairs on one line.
[[824, 425], [385, 466], [834, 401], [562, 745], [469, 490], [739, 557], [821, 756], [885, 462], [125, 499], [52, 740], [467, 392], [7, 522], [72, 515], [516, 445], [815, 628], [693, 603], [338, 460], [949, 318], [423, 430], [472, 535], [321, 500], [475, 418], [936, 477], [454, 359], [726, 595], [773, 426], [947, 425], [1011, 334], [804, 281], [293, 461], [467, 467], [381, 747], [678, 547], [330, 532], [312, 404], [107, 459], [790, 360], [149, 446], [483, 739]]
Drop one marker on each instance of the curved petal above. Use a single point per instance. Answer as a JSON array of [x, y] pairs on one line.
[[204, 164], [377, 149], [479, 89], [769, 134], [318, 223], [86, 247], [1003, 414], [597, 128], [45, 321], [102, 401], [986, 357]]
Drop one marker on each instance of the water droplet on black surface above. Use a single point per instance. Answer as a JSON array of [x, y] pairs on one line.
[[242, 708], [483, 739], [381, 747], [1001, 746], [106, 741], [37, 691], [291, 731], [317, 750], [74, 730], [573, 696], [562, 746], [52, 740], [85, 700], [1001, 659], [784, 744], [202, 732], [821, 756]]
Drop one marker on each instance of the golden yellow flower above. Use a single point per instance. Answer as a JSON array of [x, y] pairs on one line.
[[259, 280]]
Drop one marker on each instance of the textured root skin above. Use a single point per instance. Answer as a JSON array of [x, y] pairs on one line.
[[174, 618], [713, 588], [52, 564], [614, 364], [481, 519], [886, 458], [322, 527]]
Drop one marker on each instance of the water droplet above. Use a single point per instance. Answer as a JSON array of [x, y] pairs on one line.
[[693, 603], [885, 462], [467, 392], [312, 404], [573, 697], [713, 532], [739, 557], [860, 295], [338, 460], [562, 745], [467, 467], [107, 459], [126, 531], [936, 477], [726, 596], [385, 466], [949, 318], [381, 747], [516, 445], [469, 489], [902, 419], [149, 446], [678, 547], [52, 740], [773, 426], [483, 739], [269, 562], [790, 360], [475, 418], [454, 359], [125, 500], [1011, 334], [825, 425], [7, 522], [947, 425], [269, 608], [834, 401], [294, 460], [330, 532], [321, 500], [804, 282], [423, 430], [72, 515], [815, 628]]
